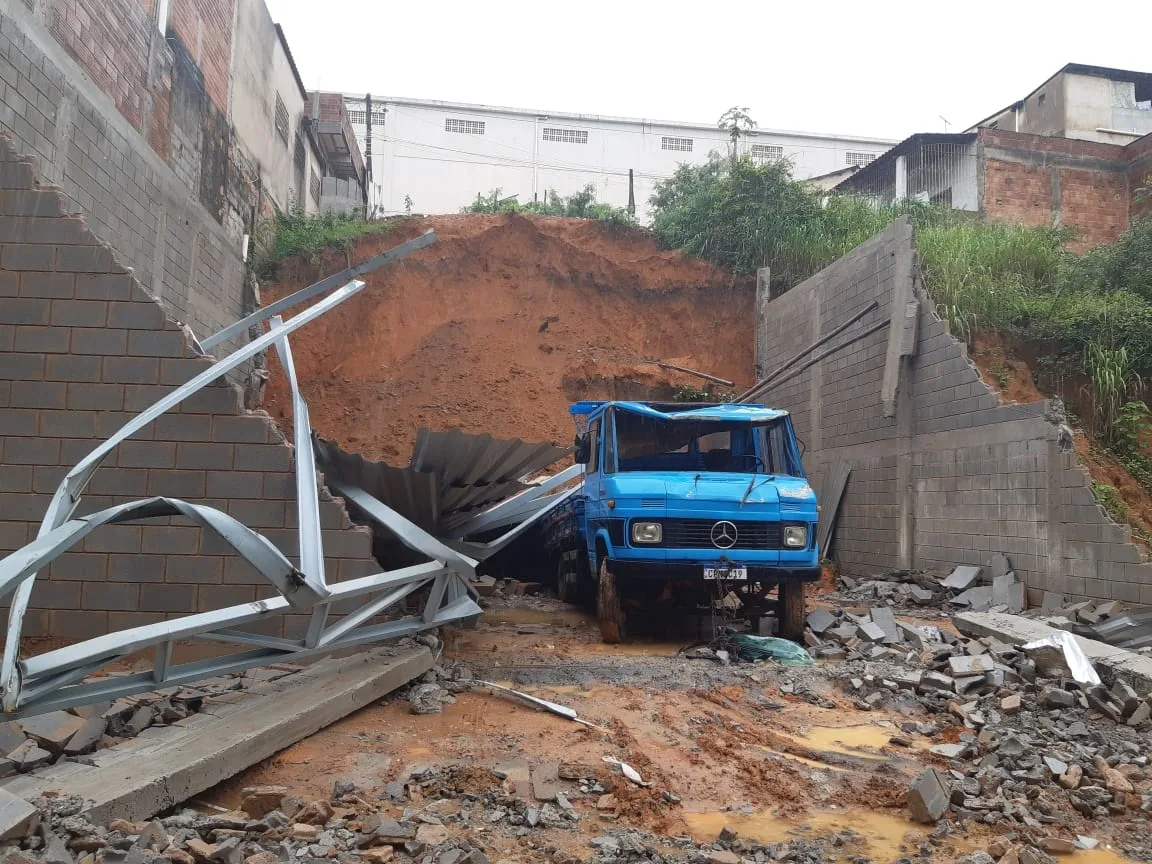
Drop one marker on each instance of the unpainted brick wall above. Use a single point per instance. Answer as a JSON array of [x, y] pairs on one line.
[[1139, 156], [955, 475], [83, 348], [1038, 180]]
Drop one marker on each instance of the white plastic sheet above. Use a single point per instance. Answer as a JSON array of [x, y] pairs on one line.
[[1077, 664]]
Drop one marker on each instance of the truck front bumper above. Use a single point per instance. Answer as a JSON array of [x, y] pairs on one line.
[[674, 571]]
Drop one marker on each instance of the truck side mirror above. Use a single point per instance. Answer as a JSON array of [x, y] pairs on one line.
[[583, 450]]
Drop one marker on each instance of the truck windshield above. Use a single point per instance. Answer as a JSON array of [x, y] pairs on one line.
[[650, 444]]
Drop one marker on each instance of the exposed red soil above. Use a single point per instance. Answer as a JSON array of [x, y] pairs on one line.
[[501, 324]]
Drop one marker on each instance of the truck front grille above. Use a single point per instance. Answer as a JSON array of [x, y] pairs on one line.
[[697, 534]]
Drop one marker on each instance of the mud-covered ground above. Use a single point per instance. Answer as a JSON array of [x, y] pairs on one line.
[[778, 755]]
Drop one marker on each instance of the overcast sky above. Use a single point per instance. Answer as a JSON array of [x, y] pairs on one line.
[[868, 68]]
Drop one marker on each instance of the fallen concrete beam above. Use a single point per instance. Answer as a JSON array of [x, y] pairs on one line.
[[154, 772], [1113, 664]]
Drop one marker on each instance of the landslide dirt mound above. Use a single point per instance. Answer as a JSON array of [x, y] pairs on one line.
[[501, 324]]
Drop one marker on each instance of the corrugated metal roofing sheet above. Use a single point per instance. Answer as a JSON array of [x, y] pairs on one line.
[[450, 473]]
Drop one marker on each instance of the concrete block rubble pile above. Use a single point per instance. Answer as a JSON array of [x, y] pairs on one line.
[[75, 734], [443, 815], [973, 589]]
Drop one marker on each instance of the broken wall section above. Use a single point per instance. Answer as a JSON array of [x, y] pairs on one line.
[[83, 349], [942, 473]]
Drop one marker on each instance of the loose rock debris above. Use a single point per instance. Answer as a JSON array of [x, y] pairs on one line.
[[996, 752], [45, 739]]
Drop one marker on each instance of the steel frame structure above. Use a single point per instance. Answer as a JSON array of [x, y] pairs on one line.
[[61, 678]]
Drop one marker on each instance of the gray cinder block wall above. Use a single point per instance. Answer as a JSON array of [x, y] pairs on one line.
[[942, 472], [83, 348]]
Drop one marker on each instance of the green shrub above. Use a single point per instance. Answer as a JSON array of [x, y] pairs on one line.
[[289, 234], [579, 205]]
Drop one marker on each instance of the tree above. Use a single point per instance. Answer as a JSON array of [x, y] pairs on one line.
[[736, 122]]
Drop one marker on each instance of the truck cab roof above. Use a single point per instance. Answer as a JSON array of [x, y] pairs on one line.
[[725, 412]]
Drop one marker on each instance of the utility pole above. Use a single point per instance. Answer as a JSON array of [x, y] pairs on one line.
[[631, 195], [367, 150]]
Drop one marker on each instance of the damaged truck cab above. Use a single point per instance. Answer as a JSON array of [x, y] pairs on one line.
[[683, 503]]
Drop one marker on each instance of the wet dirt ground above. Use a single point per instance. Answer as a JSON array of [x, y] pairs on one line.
[[775, 753]]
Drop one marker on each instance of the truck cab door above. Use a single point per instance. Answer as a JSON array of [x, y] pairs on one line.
[[594, 506]]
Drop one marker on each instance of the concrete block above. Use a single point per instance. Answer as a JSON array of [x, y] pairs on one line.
[[136, 568], [18, 818], [176, 484], [180, 371], [170, 539], [962, 578], [167, 598], [27, 256], [202, 569], [156, 343], [258, 514], [107, 341], [123, 596], [131, 370], [93, 397], [928, 797], [79, 313], [41, 340], [104, 286], [244, 429], [22, 310], [216, 457], [138, 316], [19, 421], [51, 286], [213, 400], [53, 730], [73, 367], [263, 457], [236, 484], [147, 454], [184, 427], [31, 451], [84, 259]]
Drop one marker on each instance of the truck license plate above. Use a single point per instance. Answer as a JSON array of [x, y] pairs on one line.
[[736, 574]]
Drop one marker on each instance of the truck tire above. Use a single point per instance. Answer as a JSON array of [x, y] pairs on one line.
[[565, 589], [609, 609], [790, 610]]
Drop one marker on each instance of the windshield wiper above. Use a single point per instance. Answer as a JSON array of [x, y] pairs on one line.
[[752, 484]]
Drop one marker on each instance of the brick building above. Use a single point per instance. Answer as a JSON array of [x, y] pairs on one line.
[[1090, 186], [1076, 151]]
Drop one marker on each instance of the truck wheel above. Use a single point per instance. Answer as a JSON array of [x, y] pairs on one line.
[[790, 610], [609, 610], [565, 589]]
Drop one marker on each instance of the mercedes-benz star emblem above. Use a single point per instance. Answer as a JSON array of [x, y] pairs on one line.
[[724, 535]]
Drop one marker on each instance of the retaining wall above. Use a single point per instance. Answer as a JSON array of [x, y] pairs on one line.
[[942, 472], [83, 348]]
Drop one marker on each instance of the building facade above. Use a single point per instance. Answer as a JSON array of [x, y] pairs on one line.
[[1089, 103], [1094, 188], [436, 157]]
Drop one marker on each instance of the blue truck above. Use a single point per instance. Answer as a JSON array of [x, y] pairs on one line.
[[681, 504]]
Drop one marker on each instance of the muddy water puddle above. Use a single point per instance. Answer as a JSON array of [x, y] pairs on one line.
[[884, 837], [881, 834]]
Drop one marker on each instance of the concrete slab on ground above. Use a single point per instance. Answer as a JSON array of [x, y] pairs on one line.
[[1116, 664], [144, 776]]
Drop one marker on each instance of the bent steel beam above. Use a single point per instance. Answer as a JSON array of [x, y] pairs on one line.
[[56, 679]]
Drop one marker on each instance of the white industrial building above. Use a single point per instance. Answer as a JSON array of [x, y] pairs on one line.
[[436, 157]]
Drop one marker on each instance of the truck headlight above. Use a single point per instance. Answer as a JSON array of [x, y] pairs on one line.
[[647, 532], [795, 536]]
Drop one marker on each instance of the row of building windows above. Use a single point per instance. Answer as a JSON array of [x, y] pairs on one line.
[[765, 152], [360, 116]]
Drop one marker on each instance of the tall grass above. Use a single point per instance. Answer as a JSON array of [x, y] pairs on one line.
[[289, 234], [1093, 313]]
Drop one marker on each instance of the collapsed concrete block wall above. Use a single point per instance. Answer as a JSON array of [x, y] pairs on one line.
[[942, 473], [83, 348]]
